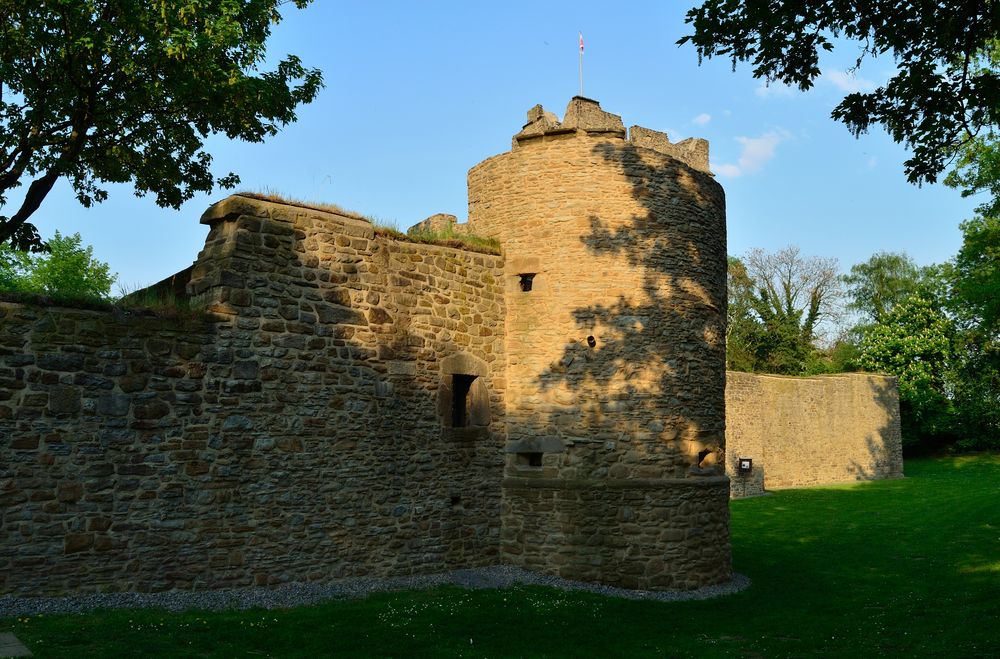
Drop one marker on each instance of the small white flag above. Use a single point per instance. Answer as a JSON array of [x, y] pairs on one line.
[[581, 43]]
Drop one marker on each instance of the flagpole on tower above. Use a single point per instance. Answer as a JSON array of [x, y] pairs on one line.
[[581, 64]]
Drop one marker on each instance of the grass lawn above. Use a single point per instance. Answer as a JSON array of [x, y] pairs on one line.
[[907, 567]]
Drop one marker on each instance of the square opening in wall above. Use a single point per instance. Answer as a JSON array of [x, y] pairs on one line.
[[526, 281], [461, 385], [529, 459]]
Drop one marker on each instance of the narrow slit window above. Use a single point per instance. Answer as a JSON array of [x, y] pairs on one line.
[[526, 281], [461, 385], [529, 459]]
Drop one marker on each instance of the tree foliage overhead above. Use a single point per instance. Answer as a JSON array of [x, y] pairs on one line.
[[977, 163], [942, 95], [111, 91]]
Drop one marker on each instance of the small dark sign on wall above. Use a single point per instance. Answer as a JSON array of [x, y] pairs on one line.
[[745, 465]]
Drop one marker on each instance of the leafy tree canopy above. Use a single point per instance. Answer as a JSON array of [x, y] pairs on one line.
[[977, 170], [976, 287], [977, 165], [743, 329], [776, 302], [792, 289], [110, 91], [880, 283], [67, 269], [914, 342], [943, 94]]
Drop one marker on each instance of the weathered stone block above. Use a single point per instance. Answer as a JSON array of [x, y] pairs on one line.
[[379, 316], [24, 443], [112, 404], [60, 362], [70, 493], [237, 422], [77, 542], [153, 409], [132, 383]]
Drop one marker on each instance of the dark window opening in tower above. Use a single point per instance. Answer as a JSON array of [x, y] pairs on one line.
[[526, 280], [461, 385], [529, 459]]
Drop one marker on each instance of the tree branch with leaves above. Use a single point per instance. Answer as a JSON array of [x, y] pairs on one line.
[[939, 99], [112, 91]]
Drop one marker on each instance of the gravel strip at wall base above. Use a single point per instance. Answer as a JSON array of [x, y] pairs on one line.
[[292, 595]]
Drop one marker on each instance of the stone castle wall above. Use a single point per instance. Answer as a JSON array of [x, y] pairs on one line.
[[615, 289], [811, 431], [354, 405], [303, 432]]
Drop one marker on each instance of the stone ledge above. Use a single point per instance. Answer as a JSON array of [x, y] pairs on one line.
[[236, 205], [614, 483], [536, 445]]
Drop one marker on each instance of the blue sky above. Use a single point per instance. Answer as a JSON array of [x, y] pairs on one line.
[[416, 94]]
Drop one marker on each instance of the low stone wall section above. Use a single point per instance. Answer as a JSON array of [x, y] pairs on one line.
[[646, 534], [803, 431], [294, 433]]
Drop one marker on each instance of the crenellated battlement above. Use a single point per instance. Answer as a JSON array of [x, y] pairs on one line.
[[584, 115]]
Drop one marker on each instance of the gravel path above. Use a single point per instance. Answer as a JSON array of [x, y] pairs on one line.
[[500, 576]]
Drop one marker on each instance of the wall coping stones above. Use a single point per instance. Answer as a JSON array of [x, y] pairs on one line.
[[615, 483], [236, 205], [820, 376]]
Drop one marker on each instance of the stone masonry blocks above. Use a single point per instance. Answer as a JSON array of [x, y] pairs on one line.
[[812, 431], [353, 405], [616, 353]]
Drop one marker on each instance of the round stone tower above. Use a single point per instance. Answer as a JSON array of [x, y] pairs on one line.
[[615, 250]]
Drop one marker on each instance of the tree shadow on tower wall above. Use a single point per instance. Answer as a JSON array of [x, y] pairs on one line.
[[635, 493], [648, 364]]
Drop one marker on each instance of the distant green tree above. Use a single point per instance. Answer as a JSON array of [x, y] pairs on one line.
[[938, 329], [880, 283], [67, 269], [975, 305], [791, 296], [13, 268], [975, 382], [742, 327], [914, 341], [112, 91], [841, 357], [976, 274]]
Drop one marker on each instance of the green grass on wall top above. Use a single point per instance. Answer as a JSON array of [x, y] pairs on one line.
[[893, 568], [388, 228]]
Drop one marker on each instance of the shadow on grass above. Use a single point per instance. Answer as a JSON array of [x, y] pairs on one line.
[[891, 567]]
